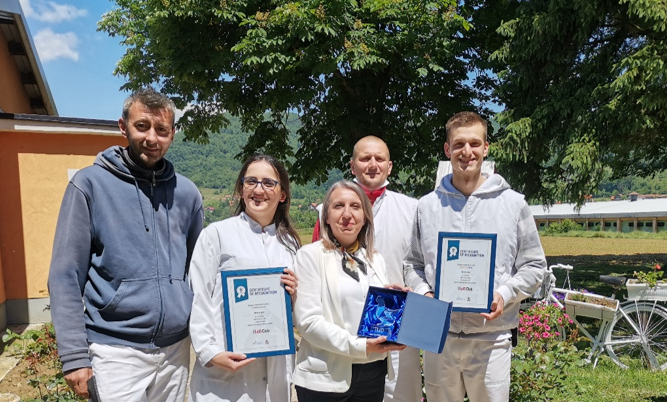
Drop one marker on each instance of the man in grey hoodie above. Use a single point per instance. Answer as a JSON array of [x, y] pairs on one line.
[[120, 300], [477, 355]]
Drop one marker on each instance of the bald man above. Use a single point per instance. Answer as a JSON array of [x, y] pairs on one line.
[[393, 217]]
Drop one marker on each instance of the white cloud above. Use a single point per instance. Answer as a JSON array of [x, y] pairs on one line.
[[49, 11], [27, 8], [52, 46], [180, 112]]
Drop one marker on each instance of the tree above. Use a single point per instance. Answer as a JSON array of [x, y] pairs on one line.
[[584, 84], [397, 69]]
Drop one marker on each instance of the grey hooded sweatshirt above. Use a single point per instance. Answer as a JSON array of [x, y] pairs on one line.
[[123, 243], [520, 263]]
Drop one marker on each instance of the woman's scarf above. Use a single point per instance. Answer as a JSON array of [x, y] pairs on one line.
[[351, 263]]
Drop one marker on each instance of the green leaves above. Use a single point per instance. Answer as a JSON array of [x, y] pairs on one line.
[[397, 69], [543, 355], [585, 87]]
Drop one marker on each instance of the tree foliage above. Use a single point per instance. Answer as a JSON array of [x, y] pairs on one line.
[[584, 84], [213, 166], [397, 69]]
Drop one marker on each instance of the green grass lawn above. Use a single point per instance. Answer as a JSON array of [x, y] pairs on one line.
[[592, 257], [306, 235], [608, 383]]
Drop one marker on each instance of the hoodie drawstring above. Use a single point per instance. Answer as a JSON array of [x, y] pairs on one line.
[[141, 207]]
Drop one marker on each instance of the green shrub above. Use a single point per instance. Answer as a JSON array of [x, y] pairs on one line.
[[39, 349], [545, 351], [563, 226]]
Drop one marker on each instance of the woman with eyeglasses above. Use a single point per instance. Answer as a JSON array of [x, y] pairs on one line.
[[333, 363], [260, 235]]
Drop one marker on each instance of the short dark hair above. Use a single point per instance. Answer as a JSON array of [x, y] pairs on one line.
[[285, 232], [465, 119], [152, 99]]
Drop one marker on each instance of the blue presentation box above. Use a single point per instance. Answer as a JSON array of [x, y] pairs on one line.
[[407, 318]]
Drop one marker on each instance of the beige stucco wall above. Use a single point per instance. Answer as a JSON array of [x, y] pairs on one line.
[[14, 98], [43, 179], [34, 177]]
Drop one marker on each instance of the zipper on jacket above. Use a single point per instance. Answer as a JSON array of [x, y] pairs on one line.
[[157, 268], [466, 228], [152, 187]]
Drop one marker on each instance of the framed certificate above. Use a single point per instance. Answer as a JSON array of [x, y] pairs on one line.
[[466, 270], [258, 312]]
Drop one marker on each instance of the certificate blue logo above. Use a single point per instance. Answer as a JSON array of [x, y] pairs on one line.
[[240, 290], [452, 250]]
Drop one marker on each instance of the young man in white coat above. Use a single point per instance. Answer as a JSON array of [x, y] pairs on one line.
[[477, 355], [393, 217]]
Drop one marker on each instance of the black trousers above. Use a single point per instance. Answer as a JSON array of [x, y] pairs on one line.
[[367, 386]]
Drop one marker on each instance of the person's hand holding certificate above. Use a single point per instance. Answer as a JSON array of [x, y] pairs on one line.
[[465, 272]]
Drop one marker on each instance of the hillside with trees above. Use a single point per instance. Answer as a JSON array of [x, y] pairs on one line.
[[214, 167], [656, 184]]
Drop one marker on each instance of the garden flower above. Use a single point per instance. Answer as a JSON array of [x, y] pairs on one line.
[[651, 277]]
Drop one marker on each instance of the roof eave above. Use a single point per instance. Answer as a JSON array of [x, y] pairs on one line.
[[14, 7]]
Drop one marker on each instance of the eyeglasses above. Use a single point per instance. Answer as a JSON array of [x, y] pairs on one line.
[[251, 183]]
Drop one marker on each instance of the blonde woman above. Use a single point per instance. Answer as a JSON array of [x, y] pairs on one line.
[[333, 363]]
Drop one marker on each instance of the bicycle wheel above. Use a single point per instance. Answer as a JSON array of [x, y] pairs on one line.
[[639, 331]]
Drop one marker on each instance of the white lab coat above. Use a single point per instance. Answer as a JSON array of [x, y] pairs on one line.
[[232, 244], [393, 217]]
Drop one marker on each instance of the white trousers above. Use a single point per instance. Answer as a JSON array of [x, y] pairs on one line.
[[407, 383], [126, 374], [480, 368]]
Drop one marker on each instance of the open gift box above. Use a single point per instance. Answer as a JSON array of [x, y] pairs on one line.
[[407, 318]]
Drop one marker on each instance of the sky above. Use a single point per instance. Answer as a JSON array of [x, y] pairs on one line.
[[77, 60]]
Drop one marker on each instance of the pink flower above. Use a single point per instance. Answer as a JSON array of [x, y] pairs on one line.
[[570, 321], [546, 327], [545, 335], [560, 321], [557, 333], [522, 330], [658, 267]]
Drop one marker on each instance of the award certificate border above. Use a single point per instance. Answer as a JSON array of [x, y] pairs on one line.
[[288, 307], [492, 269]]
